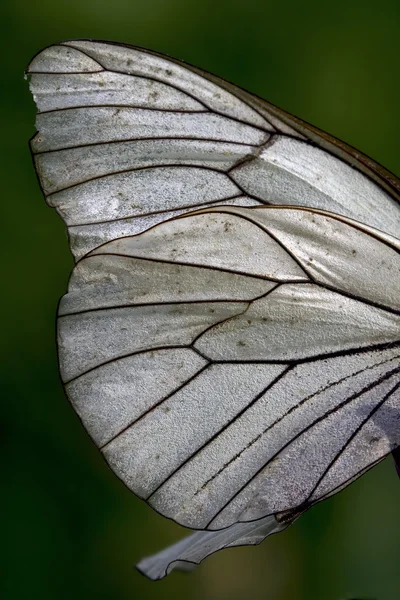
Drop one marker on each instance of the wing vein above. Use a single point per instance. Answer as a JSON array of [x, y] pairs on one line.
[[310, 426], [143, 139], [134, 353], [158, 212], [124, 106], [185, 264], [352, 436], [144, 168], [155, 406], [215, 435]]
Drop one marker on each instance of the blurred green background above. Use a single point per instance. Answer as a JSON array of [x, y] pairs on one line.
[[70, 529]]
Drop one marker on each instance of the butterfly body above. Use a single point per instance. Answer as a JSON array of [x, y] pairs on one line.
[[231, 333]]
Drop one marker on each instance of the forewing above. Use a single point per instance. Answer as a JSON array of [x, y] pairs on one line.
[[127, 138]]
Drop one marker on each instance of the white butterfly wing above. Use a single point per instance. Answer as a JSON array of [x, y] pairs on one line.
[[127, 138], [240, 363], [191, 550]]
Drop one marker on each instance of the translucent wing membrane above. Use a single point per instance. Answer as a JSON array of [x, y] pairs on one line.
[[215, 357], [190, 551], [231, 333], [128, 138]]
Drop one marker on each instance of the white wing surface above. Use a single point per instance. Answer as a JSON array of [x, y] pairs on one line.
[[231, 333], [128, 138]]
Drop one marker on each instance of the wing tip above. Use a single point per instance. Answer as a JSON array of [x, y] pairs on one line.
[[62, 57]]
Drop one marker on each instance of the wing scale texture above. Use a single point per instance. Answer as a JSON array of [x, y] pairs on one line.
[[230, 336]]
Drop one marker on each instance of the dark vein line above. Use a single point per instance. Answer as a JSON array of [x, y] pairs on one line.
[[352, 157], [313, 358], [190, 95], [357, 298], [231, 317], [155, 406], [231, 88], [161, 212], [68, 73], [254, 155], [220, 431], [170, 303], [345, 483], [198, 266], [351, 437], [118, 107], [246, 192], [364, 228], [161, 303], [191, 138], [128, 354], [223, 210], [197, 143], [172, 165], [188, 207], [299, 434], [290, 410], [184, 264], [218, 324], [207, 110], [83, 52]]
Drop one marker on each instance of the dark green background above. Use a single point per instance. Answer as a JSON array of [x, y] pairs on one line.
[[70, 529]]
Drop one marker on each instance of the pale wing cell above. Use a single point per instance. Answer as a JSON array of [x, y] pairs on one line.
[[223, 241], [65, 168], [63, 59], [156, 68], [140, 192], [58, 92], [199, 489], [113, 396], [97, 125], [297, 321], [152, 448], [108, 281], [85, 238], [290, 171], [88, 340], [336, 255], [289, 477]]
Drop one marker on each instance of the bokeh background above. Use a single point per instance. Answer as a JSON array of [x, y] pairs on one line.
[[69, 528]]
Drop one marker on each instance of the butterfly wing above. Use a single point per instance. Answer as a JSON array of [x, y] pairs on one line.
[[191, 550], [272, 382], [127, 138], [238, 364]]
